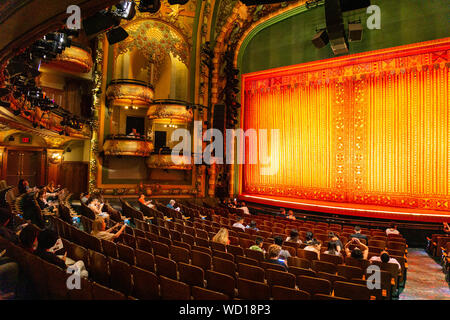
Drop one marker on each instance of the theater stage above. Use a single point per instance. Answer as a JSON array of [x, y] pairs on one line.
[[350, 209]]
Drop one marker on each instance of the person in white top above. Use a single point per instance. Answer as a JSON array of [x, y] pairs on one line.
[[392, 230], [385, 258], [96, 206], [244, 208], [239, 223]]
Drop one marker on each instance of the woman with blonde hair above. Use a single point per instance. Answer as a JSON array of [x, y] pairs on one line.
[[222, 237], [99, 226]]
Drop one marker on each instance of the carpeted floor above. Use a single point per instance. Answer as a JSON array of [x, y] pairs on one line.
[[425, 279]]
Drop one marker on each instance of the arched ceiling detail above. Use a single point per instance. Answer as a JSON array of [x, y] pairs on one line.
[[155, 38]]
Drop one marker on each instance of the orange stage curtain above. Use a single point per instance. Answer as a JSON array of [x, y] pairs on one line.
[[370, 129]]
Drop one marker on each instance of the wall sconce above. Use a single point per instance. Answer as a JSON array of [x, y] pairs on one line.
[[55, 157]]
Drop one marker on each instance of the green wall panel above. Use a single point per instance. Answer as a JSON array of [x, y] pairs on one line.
[[288, 42]]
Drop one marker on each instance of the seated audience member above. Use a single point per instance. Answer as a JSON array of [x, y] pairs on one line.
[[291, 215], [392, 230], [309, 237], [385, 258], [244, 208], [222, 237], [5, 221], [52, 191], [294, 237], [96, 206], [48, 245], [333, 237], [360, 251], [314, 246], [332, 248], [28, 238], [9, 275], [133, 133], [84, 197], [171, 204], [51, 188], [42, 201], [274, 256], [446, 227], [252, 226], [282, 212], [144, 202], [99, 226], [358, 234], [258, 245], [239, 223], [230, 204], [23, 186], [284, 254], [46, 240]]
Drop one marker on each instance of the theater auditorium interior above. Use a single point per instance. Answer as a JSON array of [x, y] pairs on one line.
[[224, 150]]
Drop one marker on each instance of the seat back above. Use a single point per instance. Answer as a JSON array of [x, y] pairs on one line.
[[280, 278], [313, 285], [126, 253], [350, 272], [120, 276], [166, 267], [283, 293], [145, 284], [206, 294], [98, 267], [179, 254], [201, 259], [351, 291], [174, 290], [252, 290], [145, 260], [100, 292], [254, 254], [323, 266], [190, 274], [331, 258], [220, 282]]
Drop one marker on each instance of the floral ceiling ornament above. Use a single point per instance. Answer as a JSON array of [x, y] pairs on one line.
[[155, 40]]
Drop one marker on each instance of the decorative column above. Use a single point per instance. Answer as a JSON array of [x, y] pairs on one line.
[[212, 172], [2, 152]]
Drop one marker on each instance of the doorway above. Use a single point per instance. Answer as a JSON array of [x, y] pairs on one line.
[[26, 165]]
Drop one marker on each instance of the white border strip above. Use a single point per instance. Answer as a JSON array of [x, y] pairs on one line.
[[348, 209]]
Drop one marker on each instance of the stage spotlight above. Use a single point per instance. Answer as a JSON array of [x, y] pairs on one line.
[[125, 10], [320, 39], [355, 31], [100, 21], [116, 35], [151, 6]]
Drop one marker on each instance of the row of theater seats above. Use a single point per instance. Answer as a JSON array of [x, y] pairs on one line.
[[169, 257], [116, 265], [438, 246]]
